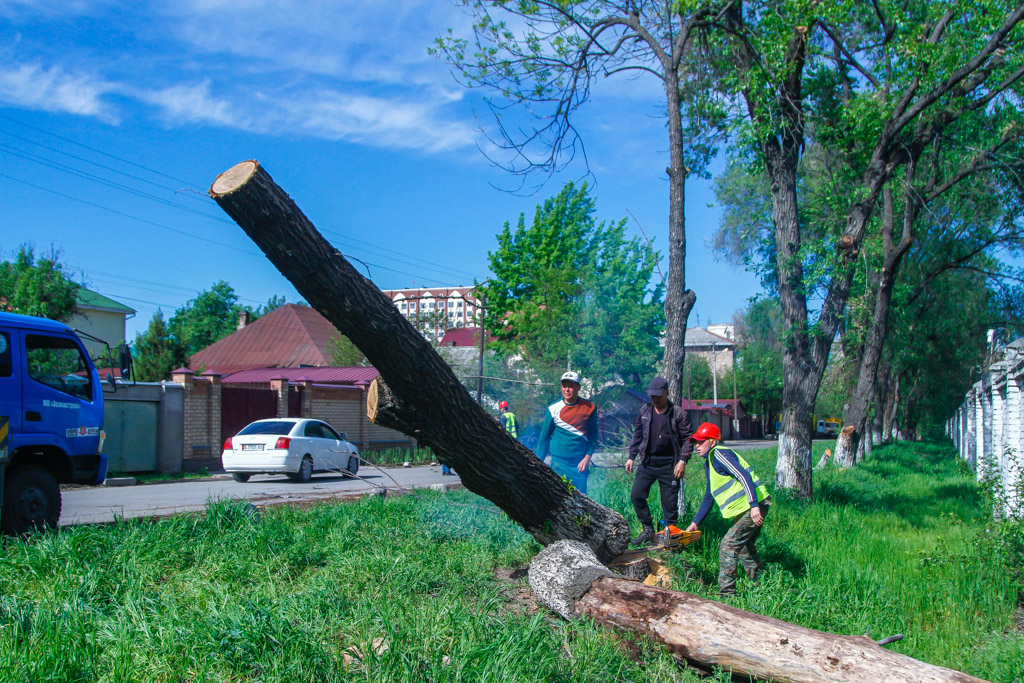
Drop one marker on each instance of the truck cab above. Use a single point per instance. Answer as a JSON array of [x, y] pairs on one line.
[[52, 399]]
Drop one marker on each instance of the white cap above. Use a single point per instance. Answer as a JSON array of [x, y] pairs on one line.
[[571, 376]]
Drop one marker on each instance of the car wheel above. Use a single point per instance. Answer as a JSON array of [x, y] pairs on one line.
[[305, 472], [31, 501], [353, 466], [240, 477]]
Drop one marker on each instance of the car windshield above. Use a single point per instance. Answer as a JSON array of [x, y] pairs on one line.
[[275, 427]]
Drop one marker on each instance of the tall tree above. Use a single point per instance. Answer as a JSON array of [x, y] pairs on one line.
[[869, 85], [967, 196], [542, 57], [566, 289], [157, 352], [209, 317], [37, 286]]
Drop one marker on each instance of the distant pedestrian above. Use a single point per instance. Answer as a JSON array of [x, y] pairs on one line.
[[661, 442], [570, 433], [740, 495], [508, 419]]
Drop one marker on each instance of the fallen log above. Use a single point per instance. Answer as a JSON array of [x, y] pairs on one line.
[[569, 579], [420, 395]]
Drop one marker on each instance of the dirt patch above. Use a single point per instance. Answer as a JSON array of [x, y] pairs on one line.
[[518, 595]]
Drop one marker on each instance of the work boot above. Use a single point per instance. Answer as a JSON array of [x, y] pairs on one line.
[[646, 536]]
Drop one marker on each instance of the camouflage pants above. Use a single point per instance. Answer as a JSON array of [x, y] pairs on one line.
[[738, 547]]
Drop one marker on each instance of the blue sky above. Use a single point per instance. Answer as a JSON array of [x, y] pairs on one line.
[[116, 117]]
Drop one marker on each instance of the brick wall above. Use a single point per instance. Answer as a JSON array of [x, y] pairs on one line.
[[200, 443]]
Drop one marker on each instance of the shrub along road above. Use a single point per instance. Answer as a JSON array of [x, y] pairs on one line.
[[105, 504]]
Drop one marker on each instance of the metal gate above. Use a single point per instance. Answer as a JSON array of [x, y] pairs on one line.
[[131, 428], [239, 407]]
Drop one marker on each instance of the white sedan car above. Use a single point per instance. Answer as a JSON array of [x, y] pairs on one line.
[[289, 445]]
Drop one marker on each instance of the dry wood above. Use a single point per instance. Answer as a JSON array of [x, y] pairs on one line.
[[570, 580], [419, 395]]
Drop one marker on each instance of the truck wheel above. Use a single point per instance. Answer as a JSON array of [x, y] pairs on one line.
[[31, 501], [240, 477]]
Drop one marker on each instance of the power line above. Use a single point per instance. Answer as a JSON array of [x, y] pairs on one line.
[[126, 215], [405, 258], [412, 260], [98, 151]]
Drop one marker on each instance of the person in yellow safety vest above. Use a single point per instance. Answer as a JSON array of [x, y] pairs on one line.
[[508, 419], [740, 495]]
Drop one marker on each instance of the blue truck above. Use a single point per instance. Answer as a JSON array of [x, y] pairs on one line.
[[51, 419]]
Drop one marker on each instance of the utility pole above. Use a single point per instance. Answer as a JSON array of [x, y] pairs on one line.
[[481, 310], [714, 369]]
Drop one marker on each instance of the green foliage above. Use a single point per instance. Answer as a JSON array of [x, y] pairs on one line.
[[903, 544], [37, 286], [345, 354], [211, 316], [208, 318], [566, 289], [698, 381], [157, 352]]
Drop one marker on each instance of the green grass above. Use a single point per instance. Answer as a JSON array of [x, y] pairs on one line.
[[901, 544], [390, 457]]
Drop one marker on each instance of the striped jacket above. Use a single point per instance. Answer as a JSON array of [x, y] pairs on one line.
[[569, 431]]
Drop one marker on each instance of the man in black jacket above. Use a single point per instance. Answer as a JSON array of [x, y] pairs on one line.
[[661, 440]]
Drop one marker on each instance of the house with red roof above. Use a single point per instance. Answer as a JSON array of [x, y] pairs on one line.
[[276, 366]]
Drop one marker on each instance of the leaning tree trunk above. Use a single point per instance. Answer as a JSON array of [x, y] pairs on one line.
[[568, 579], [424, 399]]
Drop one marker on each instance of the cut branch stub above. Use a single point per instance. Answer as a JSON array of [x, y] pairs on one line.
[[422, 398]]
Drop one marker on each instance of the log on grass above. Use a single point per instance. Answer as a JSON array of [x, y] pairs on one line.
[[423, 397], [569, 579]]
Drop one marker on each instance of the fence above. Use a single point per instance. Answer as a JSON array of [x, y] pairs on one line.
[[988, 431]]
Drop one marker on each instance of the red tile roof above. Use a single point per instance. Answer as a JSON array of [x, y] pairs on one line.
[[287, 337], [360, 376]]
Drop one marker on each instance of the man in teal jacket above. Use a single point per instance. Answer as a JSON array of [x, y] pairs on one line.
[[570, 433]]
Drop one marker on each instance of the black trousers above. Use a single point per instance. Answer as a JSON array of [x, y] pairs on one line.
[[645, 477]]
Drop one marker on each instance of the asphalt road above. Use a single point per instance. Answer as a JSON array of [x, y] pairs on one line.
[[106, 503]]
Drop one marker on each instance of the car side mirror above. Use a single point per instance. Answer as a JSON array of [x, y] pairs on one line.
[[344, 436]]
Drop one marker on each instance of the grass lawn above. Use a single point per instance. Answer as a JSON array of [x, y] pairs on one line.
[[418, 587]]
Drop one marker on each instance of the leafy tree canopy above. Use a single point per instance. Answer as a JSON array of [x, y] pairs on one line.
[[37, 286], [568, 290], [157, 352]]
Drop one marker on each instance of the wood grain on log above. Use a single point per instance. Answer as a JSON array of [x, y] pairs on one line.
[[423, 397], [709, 633]]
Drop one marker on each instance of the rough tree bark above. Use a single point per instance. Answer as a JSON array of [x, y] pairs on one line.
[[849, 447], [424, 398], [569, 579]]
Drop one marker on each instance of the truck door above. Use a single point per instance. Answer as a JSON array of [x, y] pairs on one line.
[[10, 390], [60, 394]]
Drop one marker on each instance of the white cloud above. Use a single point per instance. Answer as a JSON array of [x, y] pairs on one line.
[[380, 121], [328, 114], [193, 104], [51, 89]]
